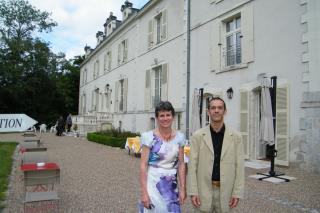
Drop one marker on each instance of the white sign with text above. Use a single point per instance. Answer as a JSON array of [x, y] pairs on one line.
[[15, 122]]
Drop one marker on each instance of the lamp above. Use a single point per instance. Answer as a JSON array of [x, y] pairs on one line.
[[230, 93]]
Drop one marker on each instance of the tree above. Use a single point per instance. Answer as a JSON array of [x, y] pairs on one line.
[[33, 80]]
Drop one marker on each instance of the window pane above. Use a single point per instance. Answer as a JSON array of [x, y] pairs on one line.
[[158, 29], [238, 48], [230, 26], [156, 86], [238, 23], [230, 50]]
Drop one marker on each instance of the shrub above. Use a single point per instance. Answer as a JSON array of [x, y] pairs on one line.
[[116, 133], [107, 140]]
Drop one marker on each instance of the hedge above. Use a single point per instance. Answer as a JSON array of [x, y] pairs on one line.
[[107, 140]]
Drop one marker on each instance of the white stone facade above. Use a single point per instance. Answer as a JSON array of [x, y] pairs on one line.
[[236, 44]]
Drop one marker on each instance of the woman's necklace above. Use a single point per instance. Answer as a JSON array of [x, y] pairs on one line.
[[164, 136]]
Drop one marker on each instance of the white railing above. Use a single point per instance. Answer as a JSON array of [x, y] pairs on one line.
[[91, 123]]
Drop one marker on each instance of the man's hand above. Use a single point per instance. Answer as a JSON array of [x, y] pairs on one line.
[[195, 200], [233, 202]]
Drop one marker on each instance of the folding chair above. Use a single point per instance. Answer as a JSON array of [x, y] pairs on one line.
[[34, 157], [41, 198]]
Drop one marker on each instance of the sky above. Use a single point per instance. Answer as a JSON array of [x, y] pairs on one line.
[[78, 22]]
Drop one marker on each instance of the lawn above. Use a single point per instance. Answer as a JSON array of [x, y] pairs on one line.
[[6, 152]]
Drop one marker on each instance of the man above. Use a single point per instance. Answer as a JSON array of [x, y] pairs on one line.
[[215, 178], [69, 122]]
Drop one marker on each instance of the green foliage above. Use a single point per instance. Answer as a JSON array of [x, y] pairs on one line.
[[107, 140], [6, 152], [34, 80], [118, 134]]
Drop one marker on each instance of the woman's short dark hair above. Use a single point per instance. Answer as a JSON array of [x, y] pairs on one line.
[[164, 106]]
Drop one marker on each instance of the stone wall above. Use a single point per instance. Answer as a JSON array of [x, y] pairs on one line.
[[308, 154]]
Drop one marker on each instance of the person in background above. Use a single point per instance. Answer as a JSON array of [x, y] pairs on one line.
[[161, 164], [215, 179], [69, 122], [60, 126]]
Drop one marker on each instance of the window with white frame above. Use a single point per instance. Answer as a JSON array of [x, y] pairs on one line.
[[157, 29], [121, 91], [107, 97], [123, 51], [109, 58], [233, 42], [232, 37], [107, 61], [156, 86], [96, 69]]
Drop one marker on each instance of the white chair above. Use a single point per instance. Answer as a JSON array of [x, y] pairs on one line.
[[43, 128]]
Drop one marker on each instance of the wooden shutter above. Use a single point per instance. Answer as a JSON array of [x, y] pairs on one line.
[[247, 34], [125, 94], [282, 126], [150, 33], [244, 121], [164, 26], [116, 97], [110, 60], [119, 53], [105, 62], [164, 82], [125, 51], [147, 92], [84, 103]]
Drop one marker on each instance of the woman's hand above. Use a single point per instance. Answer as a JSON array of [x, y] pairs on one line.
[[145, 200], [182, 195]]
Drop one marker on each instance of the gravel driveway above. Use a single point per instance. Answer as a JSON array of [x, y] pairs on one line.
[[97, 178]]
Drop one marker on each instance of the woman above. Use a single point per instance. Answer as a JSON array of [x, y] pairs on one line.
[[161, 157]]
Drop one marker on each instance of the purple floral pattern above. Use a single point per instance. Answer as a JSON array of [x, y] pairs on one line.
[[167, 187]]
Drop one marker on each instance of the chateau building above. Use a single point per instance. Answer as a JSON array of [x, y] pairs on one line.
[[235, 46]]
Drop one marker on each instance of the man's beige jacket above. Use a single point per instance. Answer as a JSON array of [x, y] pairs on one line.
[[201, 164]]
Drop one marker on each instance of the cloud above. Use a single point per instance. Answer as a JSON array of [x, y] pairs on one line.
[[78, 21]]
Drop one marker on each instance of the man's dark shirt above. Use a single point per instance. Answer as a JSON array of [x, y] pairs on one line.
[[217, 140]]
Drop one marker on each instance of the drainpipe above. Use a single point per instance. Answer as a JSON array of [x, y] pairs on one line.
[[188, 69]]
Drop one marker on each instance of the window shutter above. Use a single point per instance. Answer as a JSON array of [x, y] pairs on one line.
[[92, 101], [125, 94], [97, 94], [116, 98], [84, 103], [164, 82], [152, 88], [247, 34], [110, 60], [215, 51], [105, 59], [282, 126], [147, 93], [119, 53], [150, 33], [244, 121], [125, 51], [164, 25], [98, 67]]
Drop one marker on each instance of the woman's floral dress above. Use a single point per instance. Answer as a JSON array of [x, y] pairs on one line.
[[162, 172]]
